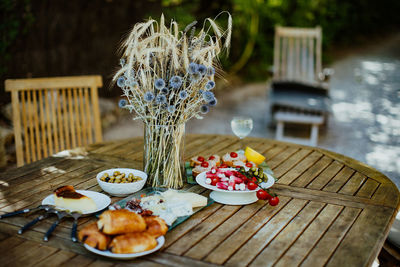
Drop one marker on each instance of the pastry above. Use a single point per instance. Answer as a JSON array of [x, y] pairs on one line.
[[66, 197], [91, 236], [229, 158], [114, 222], [199, 169], [215, 159], [155, 226], [133, 243], [195, 161]]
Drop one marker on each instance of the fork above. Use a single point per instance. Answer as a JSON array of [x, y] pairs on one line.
[[76, 216], [60, 215]]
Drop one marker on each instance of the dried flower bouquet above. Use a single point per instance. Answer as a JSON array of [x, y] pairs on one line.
[[167, 78]]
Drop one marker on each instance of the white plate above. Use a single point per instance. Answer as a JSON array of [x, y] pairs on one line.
[[201, 180], [102, 201], [160, 241], [235, 197]]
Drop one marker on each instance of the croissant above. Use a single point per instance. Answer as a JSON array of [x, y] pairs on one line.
[[91, 236], [132, 243], [114, 222], [155, 226]]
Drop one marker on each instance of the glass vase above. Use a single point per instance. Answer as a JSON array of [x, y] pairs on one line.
[[163, 155]]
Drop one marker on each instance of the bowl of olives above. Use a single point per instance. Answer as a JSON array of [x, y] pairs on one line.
[[120, 181]]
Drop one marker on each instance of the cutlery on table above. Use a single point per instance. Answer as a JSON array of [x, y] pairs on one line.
[[45, 207], [60, 215], [32, 223], [76, 216]]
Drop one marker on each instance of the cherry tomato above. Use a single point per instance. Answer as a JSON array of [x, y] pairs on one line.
[[211, 158], [254, 179], [262, 194], [200, 158], [233, 154], [204, 164], [249, 164], [214, 181], [273, 201], [223, 166], [251, 185]]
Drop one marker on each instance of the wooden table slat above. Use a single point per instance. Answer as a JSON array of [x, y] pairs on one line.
[[261, 239], [300, 168], [331, 239], [312, 172]]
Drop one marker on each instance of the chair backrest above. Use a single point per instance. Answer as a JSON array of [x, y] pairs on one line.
[[297, 54], [54, 114]]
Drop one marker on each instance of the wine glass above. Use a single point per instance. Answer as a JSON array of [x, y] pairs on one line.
[[241, 126]]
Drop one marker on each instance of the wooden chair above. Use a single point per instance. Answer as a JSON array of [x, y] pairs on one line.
[[54, 114], [300, 89]]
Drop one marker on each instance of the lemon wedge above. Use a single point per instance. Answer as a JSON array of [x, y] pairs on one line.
[[253, 156]]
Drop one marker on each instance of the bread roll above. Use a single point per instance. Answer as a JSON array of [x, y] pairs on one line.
[[91, 236], [155, 226], [114, 222], [132, 243]]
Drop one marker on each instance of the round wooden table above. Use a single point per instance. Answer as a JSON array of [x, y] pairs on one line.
[[333, 210]]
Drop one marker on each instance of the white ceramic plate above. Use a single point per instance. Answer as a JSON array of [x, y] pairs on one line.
[[201, 180], [160, 241], [235, 197], [102, 201]]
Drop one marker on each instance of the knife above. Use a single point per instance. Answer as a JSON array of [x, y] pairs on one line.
[[23, 211]]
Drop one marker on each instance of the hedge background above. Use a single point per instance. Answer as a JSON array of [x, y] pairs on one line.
[[41, 38]]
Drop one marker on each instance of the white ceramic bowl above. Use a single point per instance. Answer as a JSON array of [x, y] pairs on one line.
[[123, 189]]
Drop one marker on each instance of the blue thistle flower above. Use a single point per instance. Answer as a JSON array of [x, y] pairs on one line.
[[131, 82], [201, 91], [208, 96], [210, 85], [122, 62], [129, 73], [204, 109], [193, 68], [121, 81], [213, 102], [148, 96], [183, 94], [159, 84], [196, 76], [122, 103], [202, 69], [161, 99], [171, 109], [210, 71], [175, 82], [164, 91]]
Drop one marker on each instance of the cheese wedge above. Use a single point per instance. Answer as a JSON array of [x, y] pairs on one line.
[[196, 200]]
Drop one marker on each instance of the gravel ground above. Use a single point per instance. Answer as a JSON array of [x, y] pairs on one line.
[[365, 119]]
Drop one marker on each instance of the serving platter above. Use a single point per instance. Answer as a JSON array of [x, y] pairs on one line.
[[235, 197], [148, 191], [109, 254], [102, 201]]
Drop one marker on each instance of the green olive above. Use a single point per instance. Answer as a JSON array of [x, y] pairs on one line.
[[253, 169], [116, 173], [105, 175], [130, 175]]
